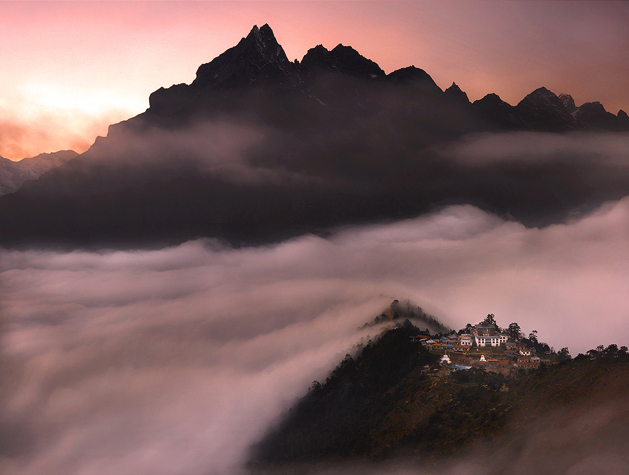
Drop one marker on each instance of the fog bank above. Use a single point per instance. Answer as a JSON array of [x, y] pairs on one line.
[[175, 360]]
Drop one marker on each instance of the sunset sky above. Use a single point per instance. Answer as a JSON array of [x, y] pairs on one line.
[[69, 69], [144, 354]]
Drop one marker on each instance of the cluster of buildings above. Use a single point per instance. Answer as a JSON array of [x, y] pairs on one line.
[[458, 343], [483, 347]]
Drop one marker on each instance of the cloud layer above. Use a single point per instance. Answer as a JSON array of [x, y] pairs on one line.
[[175, 360]]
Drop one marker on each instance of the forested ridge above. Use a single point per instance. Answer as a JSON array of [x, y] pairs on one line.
[[394, 398]]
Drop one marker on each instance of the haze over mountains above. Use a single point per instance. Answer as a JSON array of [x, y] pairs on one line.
[[155, 360], [13, 174], [258, 148]]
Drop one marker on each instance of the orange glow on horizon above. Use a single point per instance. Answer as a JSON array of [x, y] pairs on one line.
[[69, 68]]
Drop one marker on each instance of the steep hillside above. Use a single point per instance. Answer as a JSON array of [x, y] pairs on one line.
[[393, 400], [398, 311], [335, 419]]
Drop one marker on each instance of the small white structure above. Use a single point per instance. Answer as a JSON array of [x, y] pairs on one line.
[[482, 359], [445, 359]]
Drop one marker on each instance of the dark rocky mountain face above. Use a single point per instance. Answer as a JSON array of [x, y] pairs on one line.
[[496, 112], [259, 148], [414, 76], [257, 61], [542, 110], [568, 102], [258, 58], [347, 83], [592, 115], [457, 94], [342, 59]]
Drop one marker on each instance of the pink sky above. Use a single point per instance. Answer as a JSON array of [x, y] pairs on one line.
[[69, 69]]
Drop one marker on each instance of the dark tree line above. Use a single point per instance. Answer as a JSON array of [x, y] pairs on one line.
[[335, 418], [602, 353]]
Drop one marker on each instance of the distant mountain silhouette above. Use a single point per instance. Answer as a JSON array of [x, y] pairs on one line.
[[258, 148], [544, 111], [14, 173]]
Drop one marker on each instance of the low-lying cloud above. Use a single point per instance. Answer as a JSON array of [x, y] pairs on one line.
[[222, 148], [209, 143], [175, 360], [247, 181], [597, 149]]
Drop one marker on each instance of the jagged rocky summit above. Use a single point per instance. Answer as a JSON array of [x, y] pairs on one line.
[[259, 148], [258, 60]]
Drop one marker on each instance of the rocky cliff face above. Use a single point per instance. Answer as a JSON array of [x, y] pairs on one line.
[[256, 59], [544, 111]]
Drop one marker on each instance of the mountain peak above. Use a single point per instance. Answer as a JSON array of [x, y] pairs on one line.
[[496, 112], [544, 110], [545, 97], [457, 94], [415, 76], [542, 92], [343, 59], [318, 57], [592, 115], [14, 174], [256, 58], [265, 42]]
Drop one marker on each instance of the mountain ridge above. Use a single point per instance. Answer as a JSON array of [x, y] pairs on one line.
[[13, 174], [259, 149], [392, 399], [258, 59]]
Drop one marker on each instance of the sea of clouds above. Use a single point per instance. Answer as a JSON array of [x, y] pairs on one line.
[[173, 361]]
